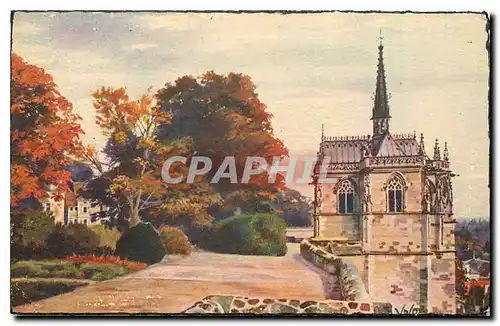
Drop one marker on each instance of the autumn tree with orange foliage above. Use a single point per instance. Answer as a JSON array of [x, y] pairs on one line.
[[224, 117], [135, 156], [45, 135]]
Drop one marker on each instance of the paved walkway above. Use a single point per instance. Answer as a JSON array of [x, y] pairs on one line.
[[175, 284]]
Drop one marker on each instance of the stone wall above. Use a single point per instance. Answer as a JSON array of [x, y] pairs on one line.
[[442, 298], [398, 279], [395, 233], [350, 283], [333, 225], [338, 226]]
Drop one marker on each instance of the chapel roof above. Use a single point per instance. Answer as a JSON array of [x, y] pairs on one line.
[[350, 149]]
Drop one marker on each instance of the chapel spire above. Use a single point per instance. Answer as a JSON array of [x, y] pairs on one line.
[[380, 115]]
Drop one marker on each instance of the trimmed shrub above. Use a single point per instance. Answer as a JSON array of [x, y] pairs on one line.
[[175, 240], [141, 243], [108, 237], [74, 239], [258, 234]]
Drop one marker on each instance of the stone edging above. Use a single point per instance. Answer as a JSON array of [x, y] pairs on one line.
[[224, 304]]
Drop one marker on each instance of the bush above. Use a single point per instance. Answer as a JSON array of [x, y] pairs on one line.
[[197, 233], [141, 243], [29, 231], [74, 239], [107, 236], [175, 241], [25, 269], [259, 234]]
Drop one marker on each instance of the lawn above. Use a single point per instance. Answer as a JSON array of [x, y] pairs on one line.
[[33, 280]]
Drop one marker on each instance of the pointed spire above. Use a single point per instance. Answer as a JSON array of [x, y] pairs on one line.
[[445, 152], [380, 114], [381, 101], [437, 154], [421, 149]]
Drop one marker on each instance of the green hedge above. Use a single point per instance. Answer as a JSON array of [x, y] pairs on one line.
[[35, 236], [257, 234], [63, 269], [73, 239], [29, 232], [141, 243]]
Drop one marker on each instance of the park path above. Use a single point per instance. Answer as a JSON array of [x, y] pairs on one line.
[[175, 284]]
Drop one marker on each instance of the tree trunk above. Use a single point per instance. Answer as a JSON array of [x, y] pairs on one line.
[[134, 217]]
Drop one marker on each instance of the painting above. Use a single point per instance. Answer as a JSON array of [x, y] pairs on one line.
[[264, 163]]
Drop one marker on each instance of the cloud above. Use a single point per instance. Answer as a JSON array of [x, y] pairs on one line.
[[27, 28]]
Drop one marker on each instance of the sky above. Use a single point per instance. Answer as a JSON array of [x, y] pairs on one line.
[[309, 69]]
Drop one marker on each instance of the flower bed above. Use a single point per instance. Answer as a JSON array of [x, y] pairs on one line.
[[130, 265]]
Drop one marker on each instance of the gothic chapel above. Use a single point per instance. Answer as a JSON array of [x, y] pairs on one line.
[[389, 210]]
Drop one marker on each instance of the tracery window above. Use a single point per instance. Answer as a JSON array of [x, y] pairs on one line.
[[395, 193], [346, 197]]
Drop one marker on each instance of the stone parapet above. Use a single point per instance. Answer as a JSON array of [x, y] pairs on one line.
[[350, 283]]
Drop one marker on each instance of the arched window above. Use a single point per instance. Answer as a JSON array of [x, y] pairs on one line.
[[395, 193], [346, 197]]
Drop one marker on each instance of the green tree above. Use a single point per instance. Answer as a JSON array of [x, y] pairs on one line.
[[29, 231]]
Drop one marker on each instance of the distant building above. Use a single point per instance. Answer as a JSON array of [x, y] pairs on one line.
[[477, 272], [73, 208], [56, 207]]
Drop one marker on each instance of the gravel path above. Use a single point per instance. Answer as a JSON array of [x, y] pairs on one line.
[[175, 284]]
